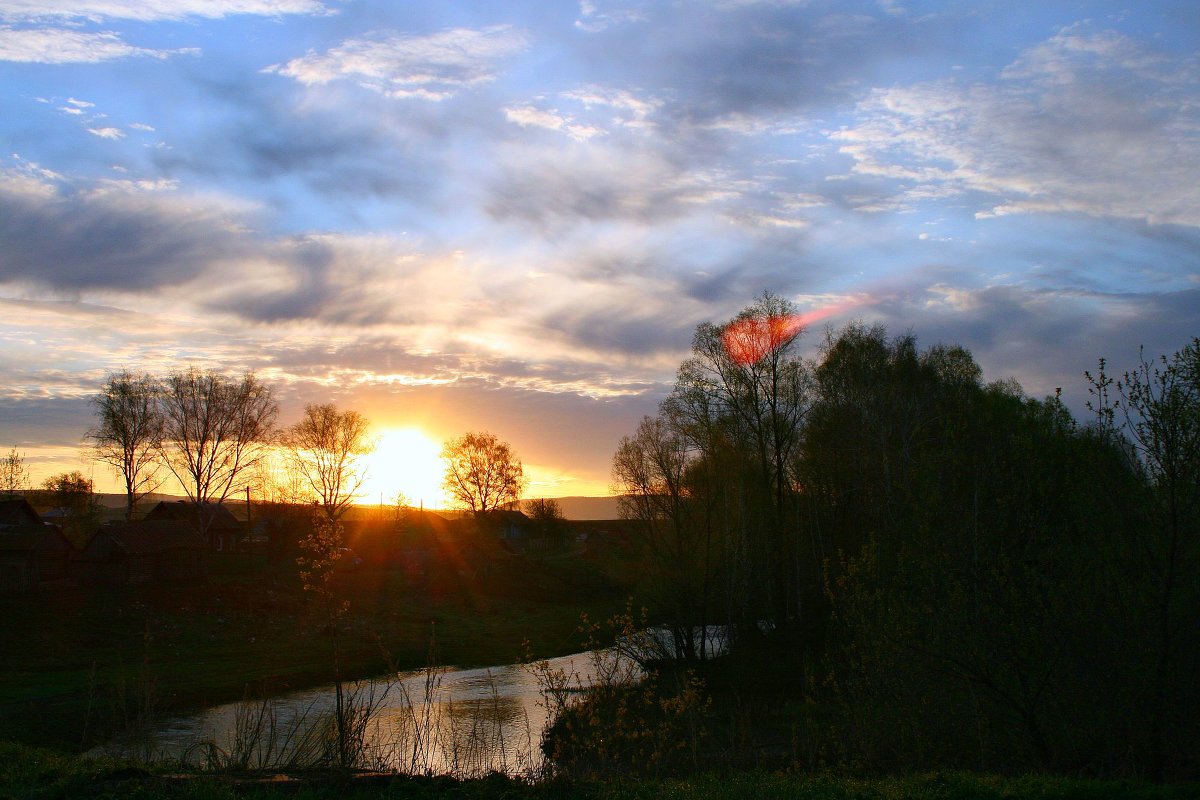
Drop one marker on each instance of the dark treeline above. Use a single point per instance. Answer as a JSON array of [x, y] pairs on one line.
[[958, 575]]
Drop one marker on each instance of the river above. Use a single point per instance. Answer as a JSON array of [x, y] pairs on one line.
[[461, 722]]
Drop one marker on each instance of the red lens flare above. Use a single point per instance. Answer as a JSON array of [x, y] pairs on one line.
[[751, 339]]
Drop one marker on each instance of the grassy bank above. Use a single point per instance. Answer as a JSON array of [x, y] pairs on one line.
[[34, 773], [82, 662]]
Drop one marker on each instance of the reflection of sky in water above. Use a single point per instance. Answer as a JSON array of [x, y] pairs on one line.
[[459, 721], [463, 722]]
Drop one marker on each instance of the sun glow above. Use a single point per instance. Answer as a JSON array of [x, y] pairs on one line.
[[405, 460]]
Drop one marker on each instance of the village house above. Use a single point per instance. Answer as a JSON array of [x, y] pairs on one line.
[[144, 552], [32, 553], [224, 532]]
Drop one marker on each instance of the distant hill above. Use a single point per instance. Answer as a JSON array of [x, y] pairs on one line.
[[589, 507]]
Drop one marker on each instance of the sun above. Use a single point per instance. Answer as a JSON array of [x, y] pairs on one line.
[[405, 460]]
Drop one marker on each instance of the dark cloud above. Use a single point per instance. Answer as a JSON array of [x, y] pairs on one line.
[[550, 193], [55, 421], [716, 60], [128, 240], [262, 130], [620, 331], [1046, 339]]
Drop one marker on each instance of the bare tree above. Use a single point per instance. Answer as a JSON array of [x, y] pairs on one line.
[[129, 431], [324, 448], [482, 473], [14, 477], [215, 431]]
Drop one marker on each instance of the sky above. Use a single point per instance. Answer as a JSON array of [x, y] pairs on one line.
[[512, 216]]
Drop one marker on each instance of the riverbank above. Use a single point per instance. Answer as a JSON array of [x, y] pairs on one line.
[[84, 663], [37, 773]]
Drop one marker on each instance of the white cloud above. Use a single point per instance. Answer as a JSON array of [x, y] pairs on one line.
[[593, 18], [107, 133], [1083, 123], [528, 116], [150, 10], [109, 186], [433, 67], [65, 46], [628, 109], [141, 126]]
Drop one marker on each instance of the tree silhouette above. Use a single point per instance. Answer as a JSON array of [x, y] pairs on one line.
[[129, 431], [482, 474], [215, 431], [323, 449]]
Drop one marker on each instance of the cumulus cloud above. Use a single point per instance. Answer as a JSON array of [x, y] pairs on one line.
[[432, 67], [1085, 123]]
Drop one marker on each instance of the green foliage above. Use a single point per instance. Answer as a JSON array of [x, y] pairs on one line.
[[965, 577], [631, 718]]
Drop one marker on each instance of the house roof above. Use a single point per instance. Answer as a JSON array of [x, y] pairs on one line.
[[148, 536], [185, 511], [17, 511], [24, 538]]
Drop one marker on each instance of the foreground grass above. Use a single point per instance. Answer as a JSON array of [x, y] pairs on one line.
[[81, 663], [34, 773]]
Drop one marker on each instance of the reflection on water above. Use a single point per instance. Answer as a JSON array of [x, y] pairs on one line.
[[459, 722], [441, 721]]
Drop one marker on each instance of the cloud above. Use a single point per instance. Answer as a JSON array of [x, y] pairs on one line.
[[433, 67], [528, 116], [107, 133], [1083, 123], [129, 240], [559, 190], [150, 10], [595, 17], [1044, 337], [630, 109], [66, 46]]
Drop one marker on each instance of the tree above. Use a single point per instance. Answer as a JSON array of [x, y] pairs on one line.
[[659, 481], [215, 431], [1158, 410], [547, 516], [324, 448], [482, 473], [75, 495], [746, 388], [129, 431], [14, 477]]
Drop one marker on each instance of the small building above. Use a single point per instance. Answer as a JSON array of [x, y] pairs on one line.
[[510, 526], [32, 556], [16, 511], [144, 552], [222, 529]]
